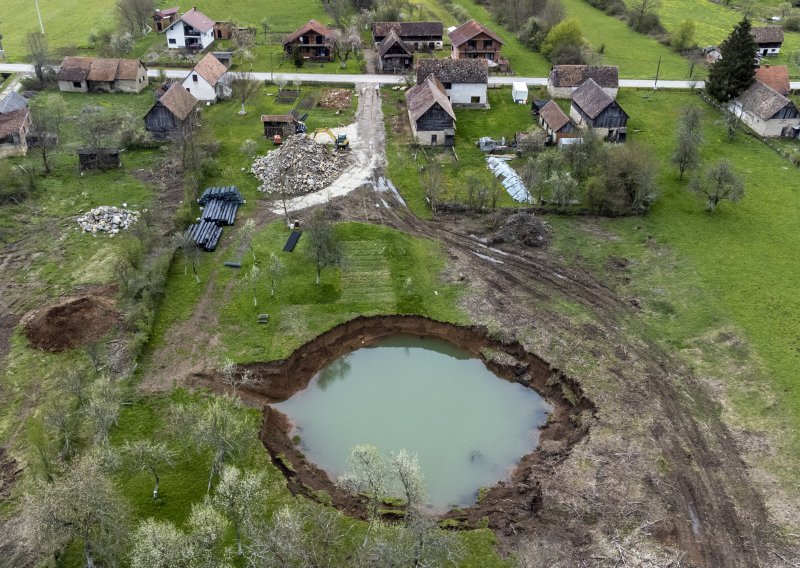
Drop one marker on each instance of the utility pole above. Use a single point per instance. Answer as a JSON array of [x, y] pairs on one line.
[[658, 68], [41, 25]]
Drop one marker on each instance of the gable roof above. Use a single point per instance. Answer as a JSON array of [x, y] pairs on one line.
[[420, 98], [310, 26], [74, 69], [591, 98], [391, 40], [278, 118], [11, 102], [553, 116], [197, 19], [762, 101], [11, 122], [210, 68], [454, 70], [128, 69], [167, 12], [574, 75], [178, 101], [103, 70], [408, 29], [775, 77], [469, 30], [767, 34], [98, 69]]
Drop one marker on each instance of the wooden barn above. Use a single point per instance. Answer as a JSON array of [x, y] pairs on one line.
[[395, 55], [593, 108], [283, 125], [173, 111], [433, 121], [556, 123], [421, 36]]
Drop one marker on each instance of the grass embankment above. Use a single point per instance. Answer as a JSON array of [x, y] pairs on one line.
[[705, 277]]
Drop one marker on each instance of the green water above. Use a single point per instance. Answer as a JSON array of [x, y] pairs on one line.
[[467, 426]]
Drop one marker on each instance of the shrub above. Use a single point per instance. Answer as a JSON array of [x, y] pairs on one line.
[[792, 24]]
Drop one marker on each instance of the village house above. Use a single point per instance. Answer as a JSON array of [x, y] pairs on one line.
[[767, 112], [394, 55], [556, 123], [473, 40], [84, 74], [172, 112], [465, 81], [283, 125], [311, 41], [207, 81], [775, 77], [420, 36], [712, 54], [565, 79], [768, 39], [193, 31], [15, 122], [162, 19], [433, 121], [592, 107]]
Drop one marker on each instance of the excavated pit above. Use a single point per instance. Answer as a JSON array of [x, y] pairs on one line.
[[518, 495]]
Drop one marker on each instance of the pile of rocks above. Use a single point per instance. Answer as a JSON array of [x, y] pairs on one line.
[[298, 166], [107, 219]]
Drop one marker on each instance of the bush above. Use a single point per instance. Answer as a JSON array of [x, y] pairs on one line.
[[459, 13], [792, 24]]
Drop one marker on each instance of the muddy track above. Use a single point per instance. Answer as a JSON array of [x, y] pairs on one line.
[[716, 515]]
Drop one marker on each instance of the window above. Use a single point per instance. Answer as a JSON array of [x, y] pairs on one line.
[[448, 85], [77, 84], [471, 44], [487, 43], [434, 139], [475, 100], [172, 41], [194, 77]]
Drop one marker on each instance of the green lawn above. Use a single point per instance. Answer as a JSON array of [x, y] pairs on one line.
[[704, 273]]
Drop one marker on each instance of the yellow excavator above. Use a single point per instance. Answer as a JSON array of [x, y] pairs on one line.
[[341, 141]]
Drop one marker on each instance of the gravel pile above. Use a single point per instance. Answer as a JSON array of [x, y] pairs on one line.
[[107, 219], [298, 166]]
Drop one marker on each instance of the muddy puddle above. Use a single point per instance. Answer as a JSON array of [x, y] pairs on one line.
[[468, 426]]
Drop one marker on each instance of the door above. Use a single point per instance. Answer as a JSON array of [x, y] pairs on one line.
[[434, 139], [449, 139]]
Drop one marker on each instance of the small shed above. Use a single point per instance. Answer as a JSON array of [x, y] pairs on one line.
[[98, 159], [283, 125], [519, 92], [173, 111], [556, 123], [537, 105]]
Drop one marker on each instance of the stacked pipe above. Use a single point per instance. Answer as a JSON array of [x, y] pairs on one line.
[[220, 212], [205, 234], [229, 194]]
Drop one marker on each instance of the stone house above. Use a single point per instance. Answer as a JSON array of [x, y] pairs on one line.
[[14, 127], [193, 31], [311, 39], [473, 40], [433, 121], [421, 36], [84, 74], [592, 107], [767, 112], [768, 39], [394, 55], [207, 81], [556, 123], [465, 81], [565, 79], [173, 111]]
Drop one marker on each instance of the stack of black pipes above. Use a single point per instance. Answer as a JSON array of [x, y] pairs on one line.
[[220, 207]]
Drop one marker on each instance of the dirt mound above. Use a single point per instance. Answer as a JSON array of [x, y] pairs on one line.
[[523, 229], [336, 99], [72, 322]]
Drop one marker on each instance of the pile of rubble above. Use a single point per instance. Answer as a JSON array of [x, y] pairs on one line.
[[298, 166], [336, 99], [107, 219]]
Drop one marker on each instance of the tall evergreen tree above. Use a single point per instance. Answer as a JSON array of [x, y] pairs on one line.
[[735, 71]]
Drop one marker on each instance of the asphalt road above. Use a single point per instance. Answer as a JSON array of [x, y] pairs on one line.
[[388, 79]]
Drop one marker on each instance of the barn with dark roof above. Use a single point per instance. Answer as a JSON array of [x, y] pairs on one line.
[[591, 107], [565, 79], [394, 54], [84, 74], [768, 39], [173, 112], [421, 36], [433, 121], [767, 112]]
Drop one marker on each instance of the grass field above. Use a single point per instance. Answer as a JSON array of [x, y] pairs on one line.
[[705, 273]]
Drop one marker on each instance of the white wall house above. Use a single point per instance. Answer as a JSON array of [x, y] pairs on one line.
[[194, 30], [207, 81], [767, 112], [465, 81], [466, 93]]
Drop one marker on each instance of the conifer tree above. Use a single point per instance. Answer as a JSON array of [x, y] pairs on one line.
[[735, 70]]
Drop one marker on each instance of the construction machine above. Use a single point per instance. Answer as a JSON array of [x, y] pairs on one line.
[[341, 141]]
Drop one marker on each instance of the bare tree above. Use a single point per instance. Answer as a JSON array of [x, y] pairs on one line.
[[343, 43], [366, 474], [638, 10], [433, 183], [220, 426], [280, 543], [275, 269], [39, 56], [408, 472], [689, 137], [146, 455], [239, 495], [102, 407], [62, 422], [264, 23], [243, 86], [45, 130], [718, 183], [82, 507], [190, 253], [324, 247], [337, 9], [135, 15], [247, 233], [230, 376]]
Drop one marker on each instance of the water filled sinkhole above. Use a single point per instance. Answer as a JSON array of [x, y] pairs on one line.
[[468, 427]]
